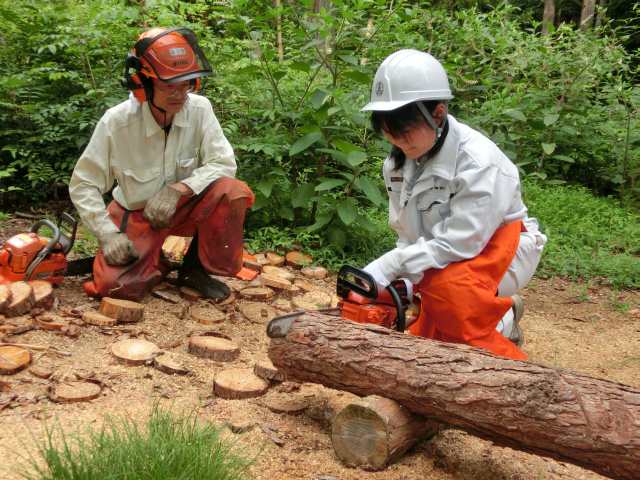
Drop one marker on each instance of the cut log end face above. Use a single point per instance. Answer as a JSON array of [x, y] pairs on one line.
[[265, 369], [124, 311], [215, 348], [207, 316], [70, 392], [13, 359], [134, 351], [238, 383], [359, 438], [257, 293], [5, 297], [43, 294], [298, 259], [257, 312], [22, 299], [92, 317], [170, 364]]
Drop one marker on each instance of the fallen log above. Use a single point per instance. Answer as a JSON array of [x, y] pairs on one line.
[[556, 413]]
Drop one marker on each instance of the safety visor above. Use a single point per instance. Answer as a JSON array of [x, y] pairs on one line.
[[173, 56]]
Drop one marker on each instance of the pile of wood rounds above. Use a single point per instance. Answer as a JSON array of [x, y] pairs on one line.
[[19, 298]]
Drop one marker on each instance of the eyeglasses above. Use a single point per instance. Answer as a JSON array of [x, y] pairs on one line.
[[175, 89]]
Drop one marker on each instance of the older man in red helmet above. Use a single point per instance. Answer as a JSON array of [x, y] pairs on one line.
[[173, 171]]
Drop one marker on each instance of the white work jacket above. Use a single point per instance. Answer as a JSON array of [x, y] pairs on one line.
[[129, 148], [463, 195]]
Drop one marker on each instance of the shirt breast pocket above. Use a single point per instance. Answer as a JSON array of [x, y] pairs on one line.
[[433, 207], [185, 167]]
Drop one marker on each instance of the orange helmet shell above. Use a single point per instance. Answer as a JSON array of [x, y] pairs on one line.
[[169, 57]]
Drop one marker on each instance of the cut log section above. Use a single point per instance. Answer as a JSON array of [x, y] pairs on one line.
[[314, 300], [556, 413], [43, 294], [133, 351], [261, 258], [207, 316], [275, 259], [315, 272], [5, 297], [238, 383], [166, 295], [170, 364], [265, 369], [97, 319], [278, 271], [374, 431], [252, 264], [304, 285], [124, 311], [190, 294], [298, 259], [13, 359], [285, 403], [71, 392], [215, 348], [257, 312], [275, 281], [51, 322], [22, 299], [257, 293], [40, 371]]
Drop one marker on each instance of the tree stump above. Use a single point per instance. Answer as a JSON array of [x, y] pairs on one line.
[[124, 311], [215, 348], [133, 351], [43, 294], [556, 413], [22, 299], [13, 359], [238, 383], [374, 431]]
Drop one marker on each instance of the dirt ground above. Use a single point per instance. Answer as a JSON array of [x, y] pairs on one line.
[[569, 325]]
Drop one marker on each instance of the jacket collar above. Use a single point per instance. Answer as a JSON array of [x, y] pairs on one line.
[[151, 127]]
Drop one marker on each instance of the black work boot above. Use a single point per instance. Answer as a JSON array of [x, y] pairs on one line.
[[193, 275]]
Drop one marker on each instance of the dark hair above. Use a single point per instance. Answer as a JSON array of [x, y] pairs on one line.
[[398, 122]]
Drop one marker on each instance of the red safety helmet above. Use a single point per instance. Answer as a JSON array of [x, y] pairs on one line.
[[170, 55]]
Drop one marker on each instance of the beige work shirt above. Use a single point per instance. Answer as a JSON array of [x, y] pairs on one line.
[[129, 149]]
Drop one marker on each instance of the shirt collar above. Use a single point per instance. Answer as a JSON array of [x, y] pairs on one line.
[[444, 162], [152, 127]]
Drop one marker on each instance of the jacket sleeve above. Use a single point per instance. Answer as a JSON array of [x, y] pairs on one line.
[[92, 178], [216, 155], [481, 199]]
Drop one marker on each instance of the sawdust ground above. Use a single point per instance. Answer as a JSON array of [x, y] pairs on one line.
[[569, 325]]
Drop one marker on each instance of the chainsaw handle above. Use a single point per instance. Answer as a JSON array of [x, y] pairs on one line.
[[364, 283], [400, 318], [67, 241], [42, 254]]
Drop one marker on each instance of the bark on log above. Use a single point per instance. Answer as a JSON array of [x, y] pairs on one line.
[[551, 412], [374, 431]]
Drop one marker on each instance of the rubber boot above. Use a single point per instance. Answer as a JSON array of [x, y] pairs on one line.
[[193, 275]]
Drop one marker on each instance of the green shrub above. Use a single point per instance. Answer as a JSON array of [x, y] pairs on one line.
[[171, 447]]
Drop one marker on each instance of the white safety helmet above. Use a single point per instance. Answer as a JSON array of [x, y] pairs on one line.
[[408, 76]]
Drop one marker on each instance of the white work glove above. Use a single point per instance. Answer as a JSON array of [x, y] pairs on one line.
[[375, 270], [117, 248], [161, 207]]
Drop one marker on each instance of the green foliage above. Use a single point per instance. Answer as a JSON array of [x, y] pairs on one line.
[[169, 448], [589, 237]]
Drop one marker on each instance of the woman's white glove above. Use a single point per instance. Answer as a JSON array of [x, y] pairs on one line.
[[375, 270], [117, 248], [161, 207]]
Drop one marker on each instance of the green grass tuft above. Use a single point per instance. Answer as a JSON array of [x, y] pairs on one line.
[[170, 447]]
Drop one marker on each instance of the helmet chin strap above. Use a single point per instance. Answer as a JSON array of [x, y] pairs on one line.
[[427, 116]]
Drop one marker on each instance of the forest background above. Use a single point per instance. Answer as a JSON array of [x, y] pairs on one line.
[[559, 96]]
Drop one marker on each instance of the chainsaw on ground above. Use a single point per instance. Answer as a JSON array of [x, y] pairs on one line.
[[360, 301], [31, 256]]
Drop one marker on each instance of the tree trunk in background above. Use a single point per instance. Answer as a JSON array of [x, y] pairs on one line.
[[549, 16], [556, 413], [587, 14], [277, 3], [600, 14]]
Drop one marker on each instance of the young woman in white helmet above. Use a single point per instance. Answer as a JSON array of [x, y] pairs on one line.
[[465, 242]]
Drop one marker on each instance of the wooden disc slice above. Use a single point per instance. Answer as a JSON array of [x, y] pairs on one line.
[[275, 259], [261, 258], [43, 294], [70, 392], [265, 369], [124, 311], [13, 359], [237, 383], [304, 285], [275, 281], [134, 351], [5, 297], [315, 272], [257, 293], [166, 295], [22, 299], [207, 316], [96, 318], [170, 363], [215, 348], [298, 259], [51, 322], [190, 294], [257, 312], [313, 300], [285, 403], [278, 271], [282, 304], [40, 371]]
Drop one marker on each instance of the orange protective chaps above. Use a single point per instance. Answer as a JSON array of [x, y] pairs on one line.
[[217, 215], [459, 302]]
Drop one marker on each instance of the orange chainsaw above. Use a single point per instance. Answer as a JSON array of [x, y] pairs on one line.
[[360, 301], [30, 256]]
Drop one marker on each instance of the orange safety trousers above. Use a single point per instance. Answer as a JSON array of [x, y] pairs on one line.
[[459, 303], [217, 215]]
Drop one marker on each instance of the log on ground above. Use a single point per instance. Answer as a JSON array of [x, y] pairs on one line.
[[557, 413]]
